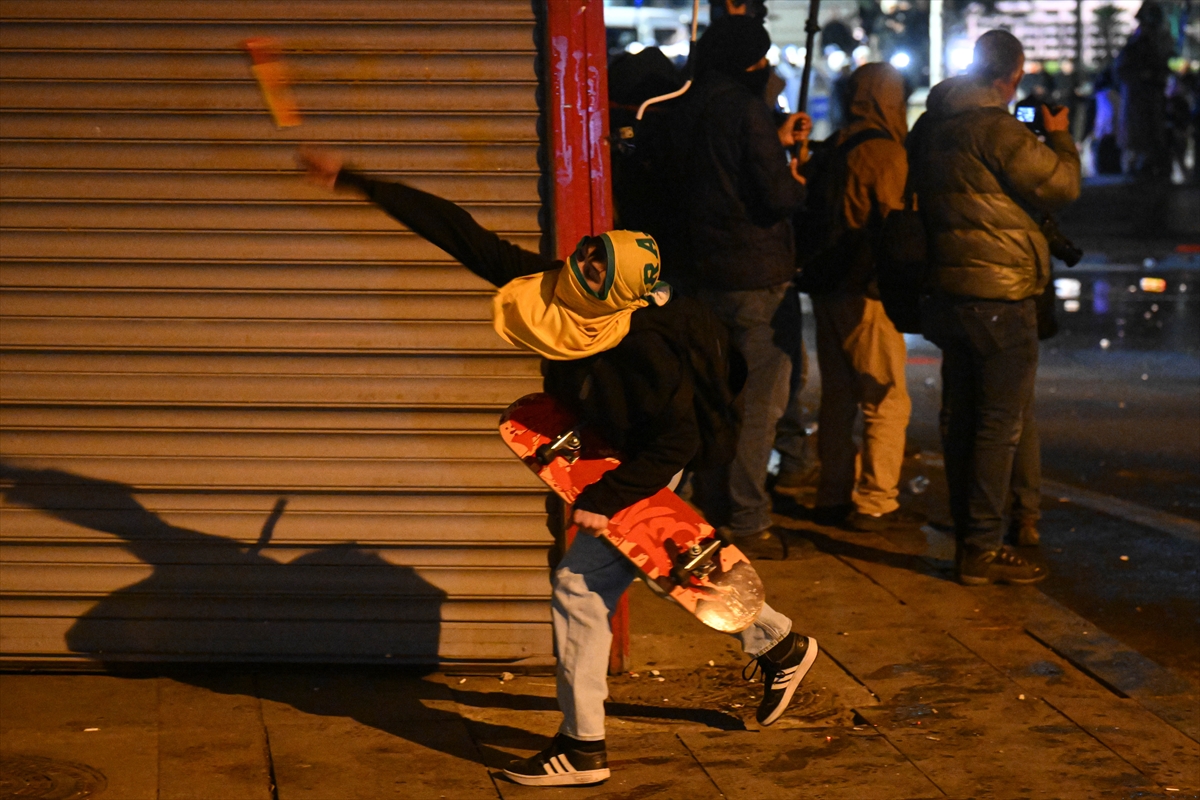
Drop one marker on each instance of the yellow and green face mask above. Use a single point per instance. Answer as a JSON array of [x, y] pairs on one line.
[[558, 316]]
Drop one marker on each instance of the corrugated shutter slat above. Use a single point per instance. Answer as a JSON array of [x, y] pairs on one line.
[[242, 418]]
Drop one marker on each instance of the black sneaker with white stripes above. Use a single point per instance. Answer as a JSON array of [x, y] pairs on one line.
[[783, 667], [566, 762]]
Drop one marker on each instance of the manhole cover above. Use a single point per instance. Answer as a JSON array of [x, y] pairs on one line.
[[36, 778]]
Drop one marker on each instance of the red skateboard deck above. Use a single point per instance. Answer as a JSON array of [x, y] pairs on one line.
[[670, 544]]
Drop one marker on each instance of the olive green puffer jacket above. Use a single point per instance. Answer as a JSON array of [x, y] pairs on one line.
[[978, 175]]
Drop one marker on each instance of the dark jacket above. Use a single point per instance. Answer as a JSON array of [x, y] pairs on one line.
[[638, 394], [734, 187], [978, 174]]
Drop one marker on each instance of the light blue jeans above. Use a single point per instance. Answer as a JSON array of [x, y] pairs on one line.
[[588, 582]]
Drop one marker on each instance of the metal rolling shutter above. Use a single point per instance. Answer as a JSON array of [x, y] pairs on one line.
[[243, 419]]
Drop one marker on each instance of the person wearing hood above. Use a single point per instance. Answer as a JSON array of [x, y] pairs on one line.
[[738, 195], [615, 347], [860, 353], [983, 183], [1142, 67]]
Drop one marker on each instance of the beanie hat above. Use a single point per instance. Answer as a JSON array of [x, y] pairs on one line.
[[731, 44]]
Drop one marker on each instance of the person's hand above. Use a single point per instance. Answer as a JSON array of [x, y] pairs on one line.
[[589, 522], [1056, 122], [795, 129], [796, 165], [321, 166]]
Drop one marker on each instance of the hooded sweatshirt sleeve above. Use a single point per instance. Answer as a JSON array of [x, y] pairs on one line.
[[451, 228], [641, 396]]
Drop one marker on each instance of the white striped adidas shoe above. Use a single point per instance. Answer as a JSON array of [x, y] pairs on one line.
[[781, 678], [566, 762]]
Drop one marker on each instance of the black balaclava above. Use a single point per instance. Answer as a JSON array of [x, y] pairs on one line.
[[729, 46]]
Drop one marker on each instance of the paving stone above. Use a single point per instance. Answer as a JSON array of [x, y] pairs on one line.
[[340, 758], [965, 725], [48, 716], [650, 766], [126, 755], [1155, 748], [825, 596], [1171, 697], [504, 710], [378, 696], [75, 702], [814, 763], [211, 740]]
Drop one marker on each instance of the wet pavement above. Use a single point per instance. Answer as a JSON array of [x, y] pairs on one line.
[[1118, 410], [923, 689]]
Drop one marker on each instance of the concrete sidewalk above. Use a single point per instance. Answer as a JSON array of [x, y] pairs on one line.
[[924, 689]]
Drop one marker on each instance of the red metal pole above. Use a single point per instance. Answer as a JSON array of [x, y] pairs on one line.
[[578, 111], [577, 55]]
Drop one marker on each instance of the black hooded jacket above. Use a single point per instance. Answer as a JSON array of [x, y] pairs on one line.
[[638, 394], [736, 191]]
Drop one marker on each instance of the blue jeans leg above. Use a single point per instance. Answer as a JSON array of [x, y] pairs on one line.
[[765, 327], [588, 582], [989, 363], [587, 585], [1027, 470]]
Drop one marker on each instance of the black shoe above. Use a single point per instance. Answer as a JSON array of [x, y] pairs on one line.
[[566, 762], [873, 523], [1025, 533], [978, 567], [793, 480], [832, 515], [781, 674], [765, 545]]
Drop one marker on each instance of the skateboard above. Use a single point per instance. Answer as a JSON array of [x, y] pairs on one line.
[[676, 551]]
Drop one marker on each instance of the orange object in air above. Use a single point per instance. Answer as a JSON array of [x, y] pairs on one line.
[[266, 56]]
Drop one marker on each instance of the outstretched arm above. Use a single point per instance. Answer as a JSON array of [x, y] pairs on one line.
[[439, 221]]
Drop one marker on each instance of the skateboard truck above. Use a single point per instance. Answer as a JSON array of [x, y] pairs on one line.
[[695, 562], [567, 446]]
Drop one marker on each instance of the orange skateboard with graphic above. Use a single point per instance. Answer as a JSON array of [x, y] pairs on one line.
[[678, 553]]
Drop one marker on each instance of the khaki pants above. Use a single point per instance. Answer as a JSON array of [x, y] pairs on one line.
[[861, 356]]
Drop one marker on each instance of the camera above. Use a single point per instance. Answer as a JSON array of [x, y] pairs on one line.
[[1061, 247], [1032, 116]]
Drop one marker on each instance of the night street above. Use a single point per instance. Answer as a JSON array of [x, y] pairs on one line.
[[1119, 416], [398, 400]]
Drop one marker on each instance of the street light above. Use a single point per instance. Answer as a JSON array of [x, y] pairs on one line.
[[961, 55], [900, 60]]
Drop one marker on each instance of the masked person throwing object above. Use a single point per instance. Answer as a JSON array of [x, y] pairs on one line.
[[611, 336]]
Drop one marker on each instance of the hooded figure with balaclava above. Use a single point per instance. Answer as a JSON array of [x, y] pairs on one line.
[[616, 351], [738, 195], [860, 353]]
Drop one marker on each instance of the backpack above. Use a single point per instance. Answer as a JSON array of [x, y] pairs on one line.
[[903, 261], [718, 373], [828, 252]]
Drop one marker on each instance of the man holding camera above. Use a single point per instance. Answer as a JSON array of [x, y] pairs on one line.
[[979, 176]]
